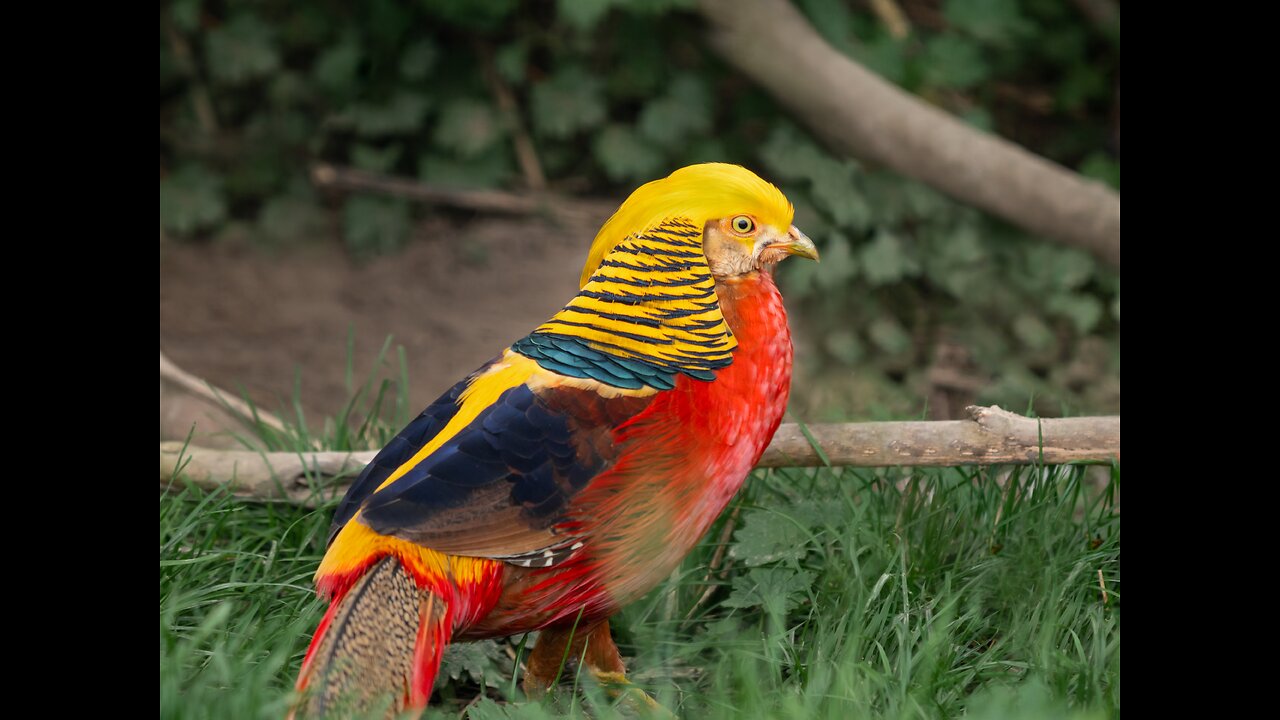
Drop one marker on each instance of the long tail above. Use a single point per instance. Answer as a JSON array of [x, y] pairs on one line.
[[378, 646]]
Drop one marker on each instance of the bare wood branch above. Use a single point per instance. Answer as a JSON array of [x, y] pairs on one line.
[[345, 179], [534, 178], [1104, 14], [187, 401], [266, 476], [201, 100], [892, 17], [991, 436], [859, 113]]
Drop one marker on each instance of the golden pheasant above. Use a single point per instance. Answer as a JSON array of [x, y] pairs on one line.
[[571, 473]]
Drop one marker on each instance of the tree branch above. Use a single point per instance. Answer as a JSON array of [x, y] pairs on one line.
[[859, 113], [345, 179], [187, 402], [991, 436]]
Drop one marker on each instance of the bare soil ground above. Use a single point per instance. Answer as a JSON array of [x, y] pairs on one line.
[[252, 320]]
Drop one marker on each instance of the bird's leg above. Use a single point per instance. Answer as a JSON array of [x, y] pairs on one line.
[[559, 646]]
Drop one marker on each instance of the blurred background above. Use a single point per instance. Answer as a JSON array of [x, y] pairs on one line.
[[297, 141]]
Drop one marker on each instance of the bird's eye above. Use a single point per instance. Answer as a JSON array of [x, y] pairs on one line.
[[743, 225]]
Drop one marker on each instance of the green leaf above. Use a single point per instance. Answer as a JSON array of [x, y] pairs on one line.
[[417, 60], [288, 89], [624, 155], [844, 345], [583, 15], [1049, 267], [467, 127], [258, 175], [478, 661], [191, 200], [998, 22], [488, 169], [1084, 311], [953, 61], [776, 590], [833, 20], [335, 70], [889, 336], [980, 118], [487, 15], [511, 60], [375, 225], [958, 261], [376, 159], [767, 536], [885, 260], [488, 709], [707, 149], [642, 68], [886, 56], [1032, 331], [290, 219], [658, 7], [241, 51], [186, 15], [569, 102], [838, 265], [684, 111], [834, 189], [401, 115], [832, 182], [1100, 166], [1084, 82]]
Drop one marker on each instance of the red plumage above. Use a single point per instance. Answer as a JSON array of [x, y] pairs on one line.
[[536, 496]]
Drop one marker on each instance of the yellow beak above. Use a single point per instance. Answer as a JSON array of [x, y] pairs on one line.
[[797, 243]]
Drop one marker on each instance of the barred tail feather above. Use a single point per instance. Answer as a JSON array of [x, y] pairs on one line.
[[378, 647]]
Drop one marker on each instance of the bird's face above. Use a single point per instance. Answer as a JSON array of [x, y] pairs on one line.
[[746, 221], [742, 244]]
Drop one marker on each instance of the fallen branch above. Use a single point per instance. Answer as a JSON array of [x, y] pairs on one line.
[[219, 418], [991, 436], [301, 478], [859, 113], [345, 179]]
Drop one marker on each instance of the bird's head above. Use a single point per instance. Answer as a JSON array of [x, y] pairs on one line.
[[745, 221]]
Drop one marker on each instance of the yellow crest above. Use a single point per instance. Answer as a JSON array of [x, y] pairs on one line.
[[696, 193]]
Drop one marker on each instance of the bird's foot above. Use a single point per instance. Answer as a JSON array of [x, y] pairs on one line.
[[619, 688]]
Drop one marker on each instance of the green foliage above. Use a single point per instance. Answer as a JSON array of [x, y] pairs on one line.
[[625, 155], [931, 272], [617, 92], [191, 200], [570, 101], [241, 51], [375, 225], [844, 593]]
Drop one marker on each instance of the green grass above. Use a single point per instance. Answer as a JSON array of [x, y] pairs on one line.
[[846, 594]]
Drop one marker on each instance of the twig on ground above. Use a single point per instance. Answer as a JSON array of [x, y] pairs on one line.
[[574, 211], [722, 547]]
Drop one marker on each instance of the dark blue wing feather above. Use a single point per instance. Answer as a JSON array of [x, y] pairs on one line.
[[400, 449], [500, 485]]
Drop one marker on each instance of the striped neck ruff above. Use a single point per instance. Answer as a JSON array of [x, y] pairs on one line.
[[648, 312]]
